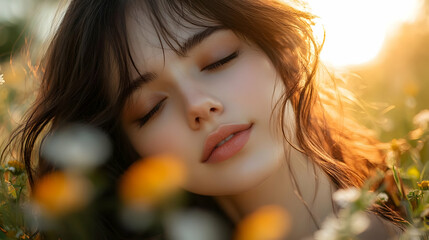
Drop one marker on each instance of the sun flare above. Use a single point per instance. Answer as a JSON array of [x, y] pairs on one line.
[[356, 30]]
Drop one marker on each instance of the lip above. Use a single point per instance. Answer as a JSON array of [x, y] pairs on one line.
[[231, 147]]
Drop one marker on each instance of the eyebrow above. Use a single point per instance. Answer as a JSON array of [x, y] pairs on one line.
[[190, 43], [197, 39]]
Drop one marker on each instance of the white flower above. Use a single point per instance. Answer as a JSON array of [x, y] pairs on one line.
[[410, 102], [137, 219], [77, 147], [336, 228], [391, 159], [1, 79], [329, 229], [358, 222], [382, 197], [413, 234], [194, 224], [344, 197], [422, 118]]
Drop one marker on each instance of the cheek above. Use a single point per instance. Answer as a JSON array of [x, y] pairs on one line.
[[258, 89], [162, 136], [254, 85]]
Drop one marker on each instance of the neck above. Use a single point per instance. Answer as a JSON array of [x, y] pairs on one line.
[[305, 195]]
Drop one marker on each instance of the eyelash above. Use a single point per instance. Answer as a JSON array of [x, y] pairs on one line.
[[221, 62], [142, 121]]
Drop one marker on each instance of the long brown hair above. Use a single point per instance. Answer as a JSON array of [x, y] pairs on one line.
[[91, 42]]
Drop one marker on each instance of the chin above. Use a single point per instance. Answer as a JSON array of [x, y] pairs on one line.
[[236, 180]]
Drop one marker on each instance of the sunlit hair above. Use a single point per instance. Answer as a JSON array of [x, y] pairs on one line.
[[91, 41]]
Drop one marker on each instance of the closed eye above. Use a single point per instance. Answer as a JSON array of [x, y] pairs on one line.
[[142, 121], [221, 62]]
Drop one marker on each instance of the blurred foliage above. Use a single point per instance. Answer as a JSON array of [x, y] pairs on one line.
[[18, 33], [10, 39], [398, 80], [13, 194]]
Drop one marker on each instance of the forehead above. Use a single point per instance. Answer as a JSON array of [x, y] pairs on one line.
[[152, 31]]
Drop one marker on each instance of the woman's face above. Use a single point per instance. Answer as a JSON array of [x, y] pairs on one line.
[[221, 82]]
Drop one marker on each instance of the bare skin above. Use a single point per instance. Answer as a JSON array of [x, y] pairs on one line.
[[279, 188]]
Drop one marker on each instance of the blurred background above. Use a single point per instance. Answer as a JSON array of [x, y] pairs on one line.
[[382, 47], [25, 25]]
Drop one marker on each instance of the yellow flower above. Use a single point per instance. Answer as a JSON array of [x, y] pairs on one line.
[[394, 144], [413, 172], [411, 88], [423, 185], [11, 190], [16, 167], [399, 145], [150, 180], [267, 223], [58, 193]]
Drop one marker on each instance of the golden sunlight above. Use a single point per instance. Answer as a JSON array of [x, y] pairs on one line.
[[356, 29]]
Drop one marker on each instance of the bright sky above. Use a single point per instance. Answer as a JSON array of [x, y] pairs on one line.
[[356, 29]]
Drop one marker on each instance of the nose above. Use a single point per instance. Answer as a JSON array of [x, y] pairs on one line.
[[200, 103], [201, 107]]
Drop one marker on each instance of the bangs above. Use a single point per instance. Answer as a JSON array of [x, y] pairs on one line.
[[167, 16]]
